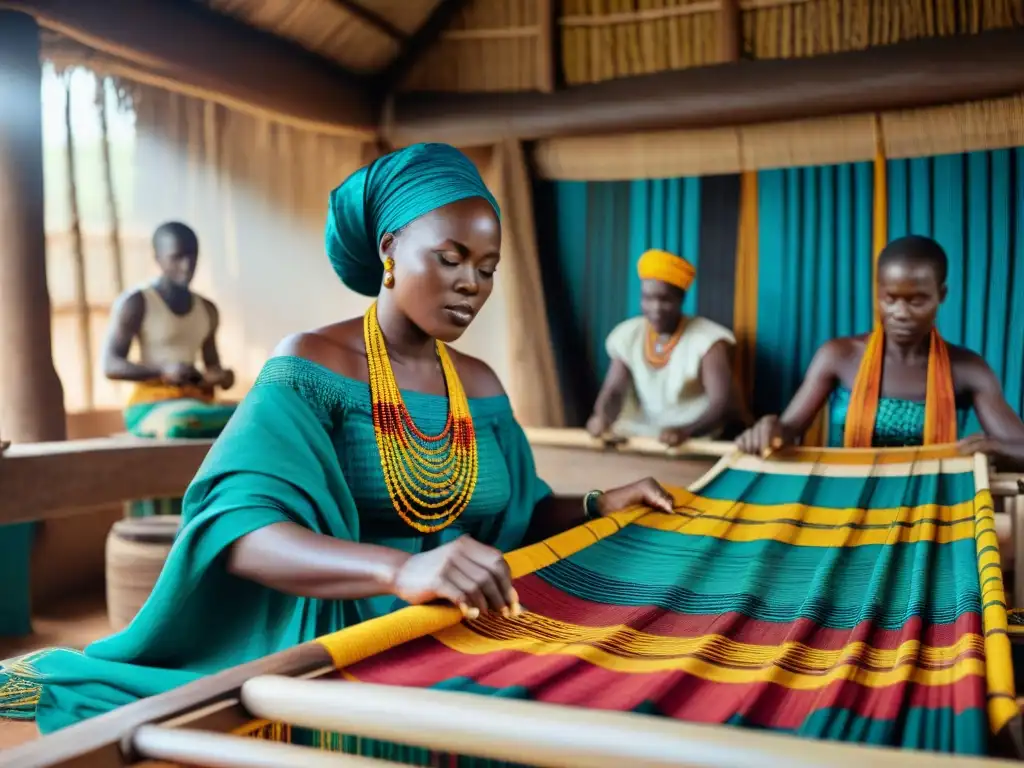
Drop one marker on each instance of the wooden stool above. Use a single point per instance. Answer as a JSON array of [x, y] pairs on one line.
[[136, 551]]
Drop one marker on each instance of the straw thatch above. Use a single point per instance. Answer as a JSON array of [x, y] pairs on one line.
[[516, 45]]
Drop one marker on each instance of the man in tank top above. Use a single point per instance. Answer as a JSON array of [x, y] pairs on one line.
[[172, 328], [671, 375]]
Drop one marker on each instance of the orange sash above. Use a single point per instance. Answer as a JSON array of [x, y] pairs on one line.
[[939, 401]]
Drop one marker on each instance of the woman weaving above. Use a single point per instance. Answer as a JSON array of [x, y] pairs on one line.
[[369, 466], [901, 384]]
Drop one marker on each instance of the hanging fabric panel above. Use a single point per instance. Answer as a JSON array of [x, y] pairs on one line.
[[973, 205], [814, 270]]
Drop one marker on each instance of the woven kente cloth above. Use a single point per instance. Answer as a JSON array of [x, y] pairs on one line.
[[851, 595]]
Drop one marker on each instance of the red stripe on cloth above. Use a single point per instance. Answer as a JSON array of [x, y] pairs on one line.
[[546, 600], [570, 681]]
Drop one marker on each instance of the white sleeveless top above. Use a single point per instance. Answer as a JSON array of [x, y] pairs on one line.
[[670, 396], [166, 338]]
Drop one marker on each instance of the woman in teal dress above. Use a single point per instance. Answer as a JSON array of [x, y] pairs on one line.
[[368, 468], [911, 285]]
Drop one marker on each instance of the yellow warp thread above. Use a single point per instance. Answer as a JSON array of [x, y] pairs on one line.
[[717, 657], [666, 267], [1002, 695]]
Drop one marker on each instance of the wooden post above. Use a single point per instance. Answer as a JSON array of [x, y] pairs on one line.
[[31, 396], [730, 30], [116, 251], [546, 66]]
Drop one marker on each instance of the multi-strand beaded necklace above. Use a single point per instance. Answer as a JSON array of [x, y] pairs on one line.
[[656, 353], [430, 478]]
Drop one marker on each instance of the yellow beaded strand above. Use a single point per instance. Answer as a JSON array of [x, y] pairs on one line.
[[422, 472]]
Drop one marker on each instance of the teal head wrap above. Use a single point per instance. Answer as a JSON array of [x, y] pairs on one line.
[[388, 194]]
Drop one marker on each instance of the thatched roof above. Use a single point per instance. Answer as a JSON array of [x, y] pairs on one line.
[[499, 45], [343, 65], [335, 29]]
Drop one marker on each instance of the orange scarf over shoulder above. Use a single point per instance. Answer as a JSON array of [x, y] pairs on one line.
[[939, 401]]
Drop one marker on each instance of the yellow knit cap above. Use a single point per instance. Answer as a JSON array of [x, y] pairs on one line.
[[666, 267]]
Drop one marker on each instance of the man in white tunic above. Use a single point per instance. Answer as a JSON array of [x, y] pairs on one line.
[[671, 375]]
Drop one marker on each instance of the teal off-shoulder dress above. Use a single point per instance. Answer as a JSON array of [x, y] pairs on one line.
[[300, 448], [898, 423]]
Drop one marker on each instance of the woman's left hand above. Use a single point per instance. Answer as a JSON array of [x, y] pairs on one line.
[[647, 492]]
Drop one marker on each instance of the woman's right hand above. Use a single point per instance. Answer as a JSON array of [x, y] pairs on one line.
[[765, 436], [469, 574]]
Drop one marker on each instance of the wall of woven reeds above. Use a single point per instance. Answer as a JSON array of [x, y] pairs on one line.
[[815, 27], [506, 45], [492, 45], [604, 39]]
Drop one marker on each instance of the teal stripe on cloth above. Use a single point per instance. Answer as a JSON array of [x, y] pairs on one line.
[[814, 270], [973, 205], [962, 733], [15, 587], [839, 492], [703, 575]]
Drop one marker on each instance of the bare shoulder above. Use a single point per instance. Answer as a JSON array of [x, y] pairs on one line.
[[970, 370], [836, 352], [131, 299], [129, 307], [338, 347], [478, 378]]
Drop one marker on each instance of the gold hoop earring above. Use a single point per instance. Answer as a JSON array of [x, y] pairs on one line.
[[389, 275]]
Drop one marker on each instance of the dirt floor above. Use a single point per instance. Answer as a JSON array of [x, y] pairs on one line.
[[72, 624]]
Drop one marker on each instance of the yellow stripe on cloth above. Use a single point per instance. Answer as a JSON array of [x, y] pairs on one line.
[[605, 647], [745, 289], [790, 533], [358, 642], [880, 205], [867, 456]]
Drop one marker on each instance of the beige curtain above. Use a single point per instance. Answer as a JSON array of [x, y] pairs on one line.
[[533, 379], [965, 127], [256, 192]]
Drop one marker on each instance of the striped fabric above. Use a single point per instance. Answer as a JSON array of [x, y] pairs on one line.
[[853, 595]]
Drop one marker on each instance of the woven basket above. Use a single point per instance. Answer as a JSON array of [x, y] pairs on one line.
[[136, 551]]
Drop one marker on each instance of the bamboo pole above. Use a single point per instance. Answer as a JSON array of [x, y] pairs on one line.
[[554, 437], [211, 750], [546, 46], [78, 252], [116, 250], [730, 31], [548, 734]]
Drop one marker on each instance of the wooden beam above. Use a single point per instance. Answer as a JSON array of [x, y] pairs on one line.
[[216, 57], [39, 481], [372, 18], [424, 37], [914, 74]]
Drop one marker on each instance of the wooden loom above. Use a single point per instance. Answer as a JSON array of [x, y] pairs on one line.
[[179, 727]]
